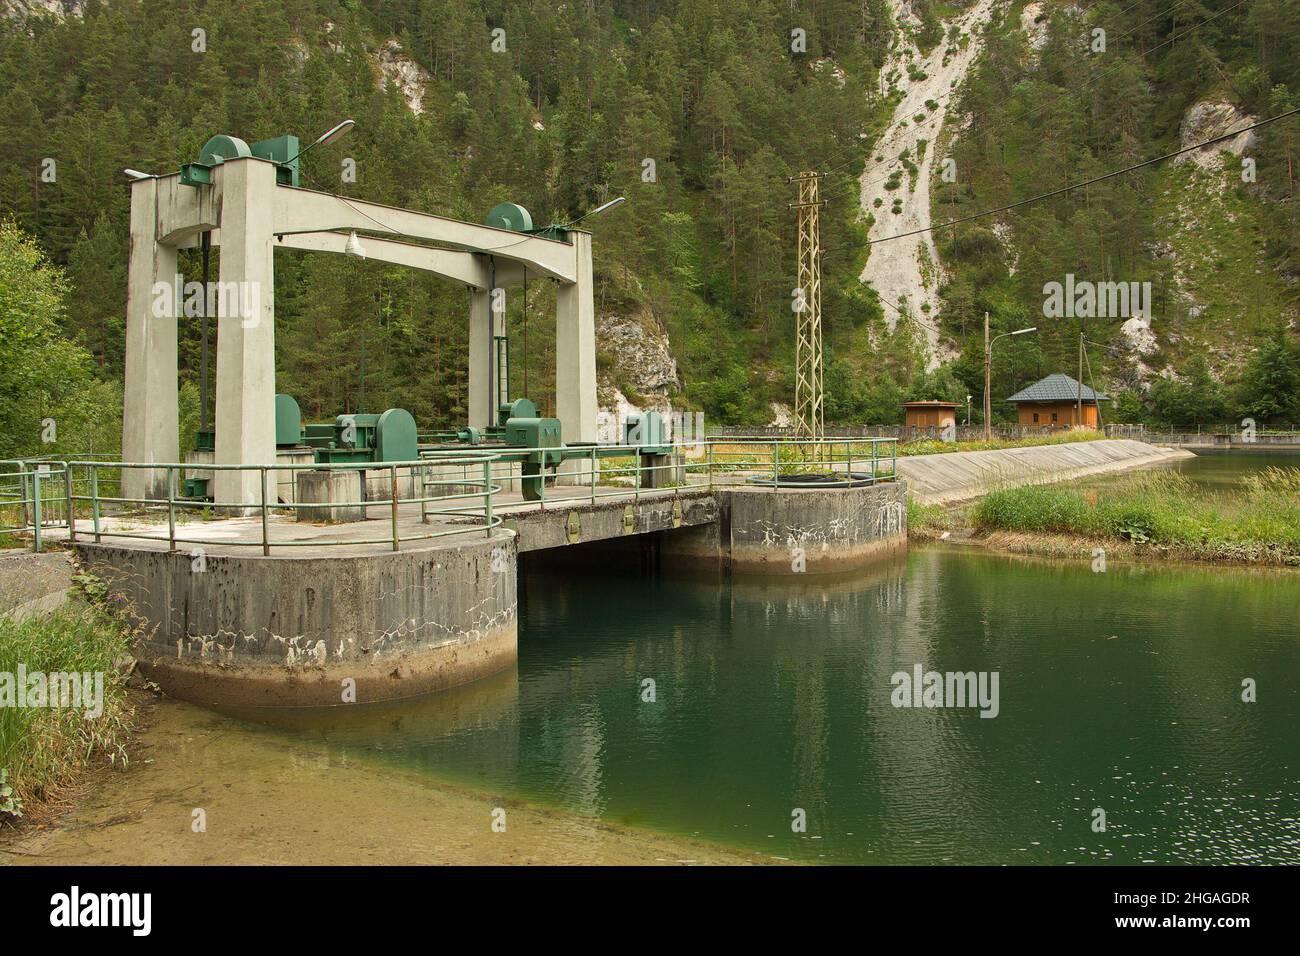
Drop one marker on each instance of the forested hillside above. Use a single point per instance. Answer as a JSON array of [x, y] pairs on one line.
[[1047, 106], [697, 111], [560, 119]]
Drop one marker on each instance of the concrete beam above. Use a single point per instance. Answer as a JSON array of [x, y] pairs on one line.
[[464, 267], [186, 211], [149, 413], [304, 210], [245, 419]]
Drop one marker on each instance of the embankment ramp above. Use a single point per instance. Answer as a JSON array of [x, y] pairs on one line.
[[962, 475]]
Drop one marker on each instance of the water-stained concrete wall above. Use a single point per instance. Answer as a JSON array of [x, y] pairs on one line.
[[795, 531], [580, 522], [292, 631]]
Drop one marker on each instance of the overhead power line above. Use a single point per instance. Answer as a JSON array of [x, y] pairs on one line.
[[1059, 96], [1087, 182]]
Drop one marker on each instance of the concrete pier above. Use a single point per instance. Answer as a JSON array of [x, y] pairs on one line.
[[797, 531], [294, 631]]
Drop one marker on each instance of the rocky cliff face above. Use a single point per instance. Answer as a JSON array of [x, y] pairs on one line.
[[895, 183], [399, 70], [637, 370], [1208, 119], [16, 9]]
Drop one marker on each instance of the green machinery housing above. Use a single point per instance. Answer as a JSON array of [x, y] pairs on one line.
[[541, 446], [359, 437], [520, 435]]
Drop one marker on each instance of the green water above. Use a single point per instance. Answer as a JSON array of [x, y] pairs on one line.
[[1119, 690], [1220, 470]]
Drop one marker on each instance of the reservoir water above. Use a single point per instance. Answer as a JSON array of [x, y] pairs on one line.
[[1221, 469], [1120, 691]]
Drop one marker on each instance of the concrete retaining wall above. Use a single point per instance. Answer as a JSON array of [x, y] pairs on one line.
[[283, 631], [286, 631], [960, 476], [33, 583]]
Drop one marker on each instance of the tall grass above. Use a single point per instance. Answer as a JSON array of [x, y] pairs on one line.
[[1258, 522], [43, 749]]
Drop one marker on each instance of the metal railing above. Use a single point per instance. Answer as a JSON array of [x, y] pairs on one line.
[[106, 516], [460, 489], [33, 498], [1230, 435], [610, 471]]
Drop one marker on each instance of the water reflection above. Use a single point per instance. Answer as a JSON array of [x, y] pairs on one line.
[[1221, 470], [1118, 690]]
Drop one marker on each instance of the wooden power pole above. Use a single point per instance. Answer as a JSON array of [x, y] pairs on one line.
[[808, 379], [988, 375]]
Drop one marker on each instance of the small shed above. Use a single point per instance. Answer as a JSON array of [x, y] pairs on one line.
[[1051, 402], [931, 413]]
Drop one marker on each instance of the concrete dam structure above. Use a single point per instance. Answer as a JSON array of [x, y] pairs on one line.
[[322, 626]]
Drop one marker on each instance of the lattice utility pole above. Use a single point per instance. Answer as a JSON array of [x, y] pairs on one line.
[[808, 388]]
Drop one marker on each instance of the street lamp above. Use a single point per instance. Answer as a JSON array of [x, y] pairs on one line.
[[988, 372], [599, 209], [554, 230], [328, 136]]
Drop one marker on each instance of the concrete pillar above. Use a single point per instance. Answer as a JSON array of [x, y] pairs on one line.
[[481, 412], [333, 493], [575, 349], [149, 416], [245, 419]]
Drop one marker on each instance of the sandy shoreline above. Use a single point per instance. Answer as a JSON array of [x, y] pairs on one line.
[[270, 800]]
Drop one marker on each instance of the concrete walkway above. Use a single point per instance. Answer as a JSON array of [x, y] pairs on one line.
[[292, 538], [960, 476]]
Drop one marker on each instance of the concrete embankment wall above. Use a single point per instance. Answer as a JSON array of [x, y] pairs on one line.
[[286, 631], [33, 583], [960, 476]]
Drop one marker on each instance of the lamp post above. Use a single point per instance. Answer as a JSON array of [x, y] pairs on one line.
[[988, 372], [328, 136]]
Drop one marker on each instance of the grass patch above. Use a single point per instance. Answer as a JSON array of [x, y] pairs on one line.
[[44, 749], [933, 446], [929, 520], [1164, 511]]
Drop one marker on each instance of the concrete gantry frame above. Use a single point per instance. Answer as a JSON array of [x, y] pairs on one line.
[[249, 215]]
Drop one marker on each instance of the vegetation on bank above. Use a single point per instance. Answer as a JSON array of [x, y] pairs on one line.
[[932, 446], [931, 521], [53, 400], [1156, 512], [44, 749]]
